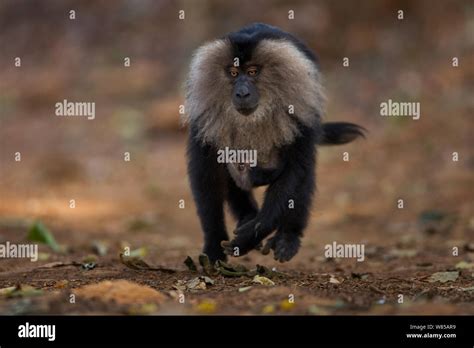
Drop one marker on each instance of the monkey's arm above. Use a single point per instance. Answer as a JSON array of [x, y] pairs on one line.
[[207, 178], [242, 204], [295, 184]]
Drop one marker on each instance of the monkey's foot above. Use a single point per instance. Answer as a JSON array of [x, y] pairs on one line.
[[284, 246], [214, 252]]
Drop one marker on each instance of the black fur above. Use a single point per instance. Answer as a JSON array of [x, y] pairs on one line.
[[293, 179], [246, 39]]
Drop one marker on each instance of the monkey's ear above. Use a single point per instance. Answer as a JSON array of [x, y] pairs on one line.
[[337, 133]]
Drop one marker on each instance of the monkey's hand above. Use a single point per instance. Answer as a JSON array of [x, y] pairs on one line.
[[284, 246], [249, 236]]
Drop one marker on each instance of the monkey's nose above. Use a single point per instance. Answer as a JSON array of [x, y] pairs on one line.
[[242, 93]]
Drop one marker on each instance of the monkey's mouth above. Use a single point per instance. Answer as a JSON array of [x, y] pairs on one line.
[[246, 110]]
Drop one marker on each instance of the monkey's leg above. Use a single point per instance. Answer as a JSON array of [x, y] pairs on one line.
[[286, 242], [208, 182], [242, 204], [294, 187]]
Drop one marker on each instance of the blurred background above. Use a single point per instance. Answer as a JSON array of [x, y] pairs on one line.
[[64, 158]]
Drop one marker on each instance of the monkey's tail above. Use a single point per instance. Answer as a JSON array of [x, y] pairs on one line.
[[337, 133]]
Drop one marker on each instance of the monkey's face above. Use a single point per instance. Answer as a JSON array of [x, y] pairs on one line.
[[271, 78], [245, 94], [257, 102]]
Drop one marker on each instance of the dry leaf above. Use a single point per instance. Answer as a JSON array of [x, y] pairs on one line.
[[443, 277], [198, 283], [268, 309], [245, 288], [287, 305], [100, 248], [137, 263], [263, 280], [20, 291], [464, 265], [190, 264], [206, 264], [206, 307]]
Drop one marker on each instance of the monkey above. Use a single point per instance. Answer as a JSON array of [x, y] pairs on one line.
[[258, 88]]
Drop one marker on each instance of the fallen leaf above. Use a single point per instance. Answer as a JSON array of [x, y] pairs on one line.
[[334, 280], [39, 233], [189, 262], [443, 277], [206, 307], [231, 270], [269, 273], [207, 280], [20, 291], [134, 262], [138, 264], [263, 280], [206, 264], [6, 291], [198, 283], [268, 309], [195, 284], [464, 265], [287, 305], [140, 252], [100, 248], [245, 288]]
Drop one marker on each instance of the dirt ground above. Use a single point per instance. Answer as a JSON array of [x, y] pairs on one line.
[[403, 247]]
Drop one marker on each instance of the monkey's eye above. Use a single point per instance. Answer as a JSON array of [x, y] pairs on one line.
[[234, 72], [252, 71]]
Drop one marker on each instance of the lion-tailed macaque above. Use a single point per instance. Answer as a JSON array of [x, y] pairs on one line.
[[256, 91]]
